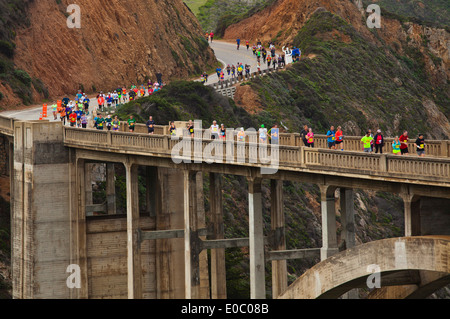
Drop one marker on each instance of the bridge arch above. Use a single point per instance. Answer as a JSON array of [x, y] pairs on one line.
[[423, 261]]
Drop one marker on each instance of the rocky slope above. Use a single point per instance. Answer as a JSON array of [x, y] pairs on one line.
[[119, 43]]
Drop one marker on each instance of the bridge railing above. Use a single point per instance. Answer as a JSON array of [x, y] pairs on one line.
[[438, 148], [254, 153], [6, 125]]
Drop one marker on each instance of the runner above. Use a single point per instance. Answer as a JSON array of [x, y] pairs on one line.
[[247, 44], [233, 71], [190, 128], [274, 134], [86, 103], [404, 143], [263, 134], [222, 132], [331, 138], [78, 113], [84, 120], [269, 59], [228, 69], [172, 129], [218, 70], [214, 130], [62, 115], [115, 97], [303, 135], [222, 76], [151, 125], [101, 102], [379, 142], [108, 122], [238, 41], [371, 135], [339, 139], [131, 123], [310, 138], [55, 110], [68, 110], [366, 141], [116, 124], [420, 145], [396, 146], [73, 119], [211, 36], [241, 135], [100, 121]]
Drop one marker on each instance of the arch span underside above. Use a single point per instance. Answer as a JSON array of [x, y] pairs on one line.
[[408, 267]]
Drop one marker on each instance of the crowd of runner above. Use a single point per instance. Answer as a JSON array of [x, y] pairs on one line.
[[77, 112], [370, 143], [262, 54], [335, 138]]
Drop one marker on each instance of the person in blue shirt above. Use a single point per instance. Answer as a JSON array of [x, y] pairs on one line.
[[331, 138], [238, 41], [86, 102]]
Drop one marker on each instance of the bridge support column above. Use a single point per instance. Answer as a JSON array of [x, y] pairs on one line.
[[151, 180], [328, 207], [256, 240], [218, 272], [133, 246], [88, 184], [412, 214], [279, 267], [110, 189], [348, 217], [348, 228], [191, 239]]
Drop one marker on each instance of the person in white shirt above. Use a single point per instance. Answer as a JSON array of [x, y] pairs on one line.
[[214, 130], [263, 134]]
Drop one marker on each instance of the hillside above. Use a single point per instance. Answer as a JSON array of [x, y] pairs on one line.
[[122, 43], [394, 78]]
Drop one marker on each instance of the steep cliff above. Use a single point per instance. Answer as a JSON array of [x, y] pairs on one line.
[[119, 43]]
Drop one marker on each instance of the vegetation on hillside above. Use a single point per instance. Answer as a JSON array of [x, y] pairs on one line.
[[187, 100], [350, 82], [13, 15], [217, 15], [428, 12]]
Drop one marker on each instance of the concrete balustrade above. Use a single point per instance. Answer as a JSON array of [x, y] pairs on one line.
[[250, 153]]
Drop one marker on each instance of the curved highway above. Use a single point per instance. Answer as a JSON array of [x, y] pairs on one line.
[[225, 52]]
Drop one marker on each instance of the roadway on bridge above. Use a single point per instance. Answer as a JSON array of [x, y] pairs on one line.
[[225, 52]]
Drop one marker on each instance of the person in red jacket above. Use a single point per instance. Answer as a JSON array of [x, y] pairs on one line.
[[404, 143], [73, 119]]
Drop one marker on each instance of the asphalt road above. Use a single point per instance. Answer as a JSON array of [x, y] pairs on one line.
[[225, 52]]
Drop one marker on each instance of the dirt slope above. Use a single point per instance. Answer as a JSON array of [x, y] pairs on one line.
[[119, 43]]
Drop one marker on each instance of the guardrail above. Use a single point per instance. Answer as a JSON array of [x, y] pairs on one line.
[[263, 155]]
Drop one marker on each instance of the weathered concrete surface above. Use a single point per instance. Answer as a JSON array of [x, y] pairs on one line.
[[43, 182], [348, 269]]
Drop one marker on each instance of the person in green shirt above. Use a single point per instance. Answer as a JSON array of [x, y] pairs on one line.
[[366, 141], [131, 123], [99, 121]]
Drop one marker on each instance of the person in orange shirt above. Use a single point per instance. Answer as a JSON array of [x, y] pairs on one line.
[[339, 138], [101, 102], [62, 115]]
